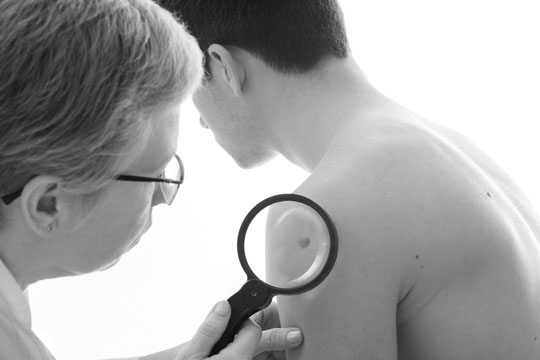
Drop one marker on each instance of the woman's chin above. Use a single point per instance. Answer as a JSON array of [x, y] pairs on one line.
[[114, 262], [110, 265], [135, 242]]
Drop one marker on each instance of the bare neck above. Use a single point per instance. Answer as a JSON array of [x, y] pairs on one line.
[[13, 260], [306, 112], [21, 255]]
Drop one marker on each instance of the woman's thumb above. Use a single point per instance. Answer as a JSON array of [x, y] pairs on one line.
[[210, 331]]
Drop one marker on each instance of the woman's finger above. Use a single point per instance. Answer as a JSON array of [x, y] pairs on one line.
[[245, 343], [209, 332], [280, 339], [267, 318]]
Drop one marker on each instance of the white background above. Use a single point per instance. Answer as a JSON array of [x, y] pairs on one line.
[[470, 64]]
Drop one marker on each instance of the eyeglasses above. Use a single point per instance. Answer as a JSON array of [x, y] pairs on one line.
[[169, 181]]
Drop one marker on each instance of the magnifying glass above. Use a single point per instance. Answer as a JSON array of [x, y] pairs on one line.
[[287, 244]]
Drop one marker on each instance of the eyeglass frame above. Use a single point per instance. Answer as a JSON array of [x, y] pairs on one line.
[[9, 198]]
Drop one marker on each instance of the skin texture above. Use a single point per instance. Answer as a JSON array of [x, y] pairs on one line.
[[436, 248], [439, 253]]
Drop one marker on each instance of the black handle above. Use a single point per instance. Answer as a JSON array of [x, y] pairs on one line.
[[252, 297]]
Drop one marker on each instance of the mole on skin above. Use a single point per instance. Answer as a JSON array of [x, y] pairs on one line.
[[295, 236], [304, 242]]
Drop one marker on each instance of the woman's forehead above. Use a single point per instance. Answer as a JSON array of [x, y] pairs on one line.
[[160, 145]]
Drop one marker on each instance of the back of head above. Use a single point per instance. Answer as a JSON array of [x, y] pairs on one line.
[[78, 79], [291, 36]]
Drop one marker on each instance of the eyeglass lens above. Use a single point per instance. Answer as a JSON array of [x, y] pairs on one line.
[[172, 171]]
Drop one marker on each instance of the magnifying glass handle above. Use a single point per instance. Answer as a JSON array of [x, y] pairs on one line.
[[252, 297]]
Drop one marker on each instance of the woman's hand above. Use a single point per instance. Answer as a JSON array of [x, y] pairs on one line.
[[275, 340], [210, 331], [249, 343]]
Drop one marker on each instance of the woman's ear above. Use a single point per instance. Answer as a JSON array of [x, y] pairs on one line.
[[226, 69], [40, 205]]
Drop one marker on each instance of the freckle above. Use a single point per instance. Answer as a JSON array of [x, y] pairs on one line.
[[422, 266], [417, 256], [304, 242], [489, 195]]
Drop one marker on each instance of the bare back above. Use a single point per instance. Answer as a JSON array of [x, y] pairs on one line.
[[439, 252]]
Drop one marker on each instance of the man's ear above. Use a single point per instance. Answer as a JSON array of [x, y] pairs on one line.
[[40, 205], [226, 69]]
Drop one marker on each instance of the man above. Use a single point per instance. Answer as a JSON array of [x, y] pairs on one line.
[[439, 253]]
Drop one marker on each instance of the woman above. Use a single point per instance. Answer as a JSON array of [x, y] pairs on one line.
[[89, 106]]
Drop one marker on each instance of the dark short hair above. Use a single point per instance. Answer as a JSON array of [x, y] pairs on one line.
[[291, 36]]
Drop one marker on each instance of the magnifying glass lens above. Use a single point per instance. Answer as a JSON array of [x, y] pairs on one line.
[[287, 244]]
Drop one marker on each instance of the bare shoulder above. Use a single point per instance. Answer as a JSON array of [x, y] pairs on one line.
[[424, 229], [382, 200], [412, 204], [398, 196]]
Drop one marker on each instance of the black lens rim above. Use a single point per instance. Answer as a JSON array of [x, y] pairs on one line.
[[332, 233]]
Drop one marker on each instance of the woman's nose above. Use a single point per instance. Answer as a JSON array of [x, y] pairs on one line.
[[203, 123], [158, 197]]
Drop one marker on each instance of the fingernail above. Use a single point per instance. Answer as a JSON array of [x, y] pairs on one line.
[[221, 308], [294, 336]]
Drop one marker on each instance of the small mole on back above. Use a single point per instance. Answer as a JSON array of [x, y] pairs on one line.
[[489, 195], [304, 242]]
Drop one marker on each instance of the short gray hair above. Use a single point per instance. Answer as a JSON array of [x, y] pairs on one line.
[[78, 79]]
